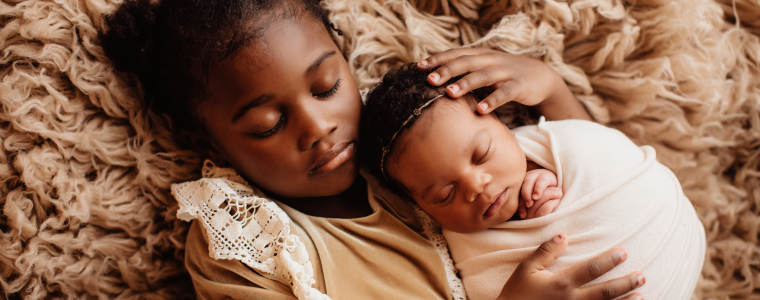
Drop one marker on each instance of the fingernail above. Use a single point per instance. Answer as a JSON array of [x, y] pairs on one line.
[[483, 107], [523, 214], [558, 238], [639, 297], [434, 77], [622, 255], [423, 64], [454, 89], [535, 196], [642, 279], [529, 204]]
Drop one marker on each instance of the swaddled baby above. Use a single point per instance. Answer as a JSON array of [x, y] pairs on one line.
[[470, 173]]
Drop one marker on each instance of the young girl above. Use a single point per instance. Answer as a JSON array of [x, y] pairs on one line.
[[264, 83], [470, 173]]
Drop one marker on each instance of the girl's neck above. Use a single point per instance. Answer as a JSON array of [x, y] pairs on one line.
[[351, 203]]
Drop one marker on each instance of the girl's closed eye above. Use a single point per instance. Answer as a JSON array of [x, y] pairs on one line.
[[329, 92], [276, 128], [282, 120]]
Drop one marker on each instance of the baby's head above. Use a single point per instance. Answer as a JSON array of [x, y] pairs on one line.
[[463, 168]]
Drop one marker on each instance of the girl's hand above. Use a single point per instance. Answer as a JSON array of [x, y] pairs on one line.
[[531, 280], [511, 77], [539, 194]]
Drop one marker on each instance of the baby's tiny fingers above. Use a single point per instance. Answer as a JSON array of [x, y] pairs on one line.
[[528, 186], [553, 192], [541, 184], [523, 212], [547, 208]]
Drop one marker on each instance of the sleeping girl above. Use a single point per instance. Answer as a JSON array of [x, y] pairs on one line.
[[472, 174]]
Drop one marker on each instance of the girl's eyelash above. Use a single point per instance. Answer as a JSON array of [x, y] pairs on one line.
[[330, 92], [281, 121], [274, 129]]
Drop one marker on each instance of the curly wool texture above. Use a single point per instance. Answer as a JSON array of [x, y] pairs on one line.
[[85, 169]]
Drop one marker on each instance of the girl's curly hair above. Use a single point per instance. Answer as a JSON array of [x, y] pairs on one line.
[[389, 104], [172, 45]]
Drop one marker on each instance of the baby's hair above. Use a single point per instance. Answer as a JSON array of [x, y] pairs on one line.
[[172, 45], [389, 104]]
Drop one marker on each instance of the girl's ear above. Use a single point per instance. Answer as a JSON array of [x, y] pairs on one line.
[[201, 143]]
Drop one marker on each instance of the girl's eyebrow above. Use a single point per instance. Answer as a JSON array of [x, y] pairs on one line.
[[315, 65], [256, 102]]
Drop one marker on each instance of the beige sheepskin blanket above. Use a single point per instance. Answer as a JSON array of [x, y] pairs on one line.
[[85, 169]]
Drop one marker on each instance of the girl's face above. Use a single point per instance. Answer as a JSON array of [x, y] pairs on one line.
[[285, 111], [463, 168]]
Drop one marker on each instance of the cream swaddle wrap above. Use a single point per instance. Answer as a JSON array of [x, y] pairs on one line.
[[615, 195]]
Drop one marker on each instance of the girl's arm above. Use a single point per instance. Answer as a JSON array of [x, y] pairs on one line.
[[512, 78]]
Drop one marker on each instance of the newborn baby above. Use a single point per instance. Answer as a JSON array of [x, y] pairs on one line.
[[470, 173]]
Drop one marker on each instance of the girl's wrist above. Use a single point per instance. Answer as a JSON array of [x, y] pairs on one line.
[[562, 104]]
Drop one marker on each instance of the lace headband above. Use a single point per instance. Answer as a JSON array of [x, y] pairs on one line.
[[387, 148]]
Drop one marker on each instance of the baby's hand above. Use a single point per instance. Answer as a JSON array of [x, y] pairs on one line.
[[540, 194]]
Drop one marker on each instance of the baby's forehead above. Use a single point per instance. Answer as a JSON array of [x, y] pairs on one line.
[[450, 110]]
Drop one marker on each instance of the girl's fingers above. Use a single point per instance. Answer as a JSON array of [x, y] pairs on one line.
[[445, 56], [613, 288], [477, 79], [508, 91], [633, 296], [460, 66], [544, 255], [582, 273]]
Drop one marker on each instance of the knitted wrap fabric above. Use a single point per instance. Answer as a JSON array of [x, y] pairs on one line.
[[85, 169]]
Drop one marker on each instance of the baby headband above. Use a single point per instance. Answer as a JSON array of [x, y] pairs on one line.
[[387, 148]]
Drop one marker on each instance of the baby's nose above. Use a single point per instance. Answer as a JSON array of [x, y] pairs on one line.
[[478, 186]]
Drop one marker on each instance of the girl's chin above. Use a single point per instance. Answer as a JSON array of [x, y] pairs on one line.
[[334, 185]]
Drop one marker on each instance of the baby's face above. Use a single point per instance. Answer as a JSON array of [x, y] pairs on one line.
[[462, 168]]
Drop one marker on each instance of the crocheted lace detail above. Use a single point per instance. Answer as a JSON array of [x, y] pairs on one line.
[[433, 232], [243, 226]]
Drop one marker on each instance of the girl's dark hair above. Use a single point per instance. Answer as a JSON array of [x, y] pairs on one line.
[[172, 45], [389, 104]]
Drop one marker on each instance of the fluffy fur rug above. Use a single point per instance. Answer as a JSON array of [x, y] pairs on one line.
[[84, 169]]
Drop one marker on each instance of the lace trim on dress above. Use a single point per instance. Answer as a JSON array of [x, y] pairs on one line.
[[433, 232], [243, 226]]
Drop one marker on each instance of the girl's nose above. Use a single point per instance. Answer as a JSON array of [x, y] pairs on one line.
[[315, 125], [476, 185]]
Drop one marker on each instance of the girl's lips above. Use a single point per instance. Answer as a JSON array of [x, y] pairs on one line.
[[496, 205], [334, 158]]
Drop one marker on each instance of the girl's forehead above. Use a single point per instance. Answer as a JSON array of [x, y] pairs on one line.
[[285, 54], [281, 39]]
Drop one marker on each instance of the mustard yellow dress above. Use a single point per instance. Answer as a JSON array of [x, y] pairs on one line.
[[381, 256]]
